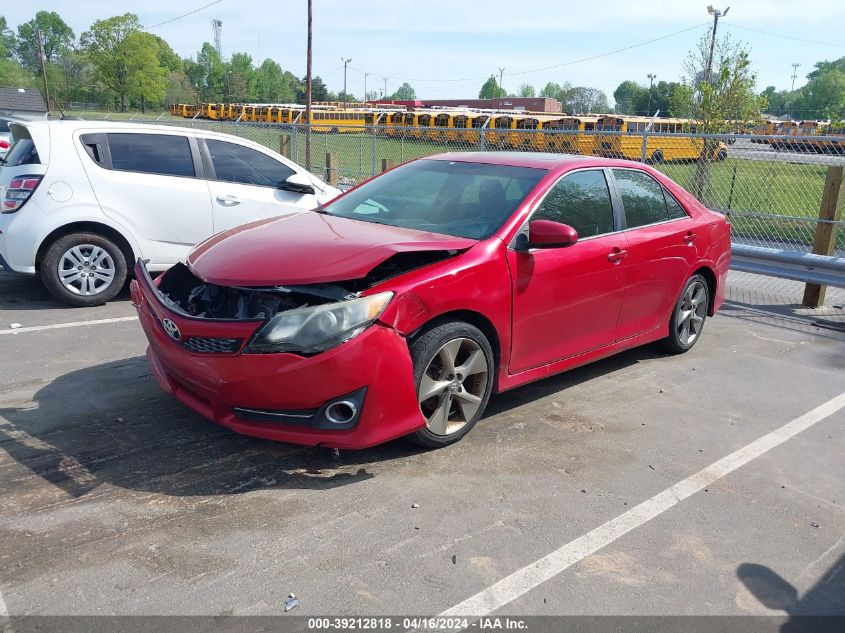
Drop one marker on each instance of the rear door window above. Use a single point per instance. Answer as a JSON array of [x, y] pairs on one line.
[[236, 163], [23, 152], [642, 198], [162, 154]]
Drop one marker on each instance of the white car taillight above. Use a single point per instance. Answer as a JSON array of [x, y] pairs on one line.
[[19, 191], [4, 144]]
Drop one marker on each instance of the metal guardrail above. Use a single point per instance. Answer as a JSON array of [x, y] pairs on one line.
[[806, 267]]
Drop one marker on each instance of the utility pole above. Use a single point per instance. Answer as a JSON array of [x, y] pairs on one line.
[[308, 91], [43, 70], [795, 66], [501, 74], [651, 78], [365, 88], [716, 13], [385, 88], [345, 62]]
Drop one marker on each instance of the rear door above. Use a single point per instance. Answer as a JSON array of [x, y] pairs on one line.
[[153, 184], [244, 185], [663, 246]]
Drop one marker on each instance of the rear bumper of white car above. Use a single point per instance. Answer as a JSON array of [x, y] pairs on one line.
[[16, 240]]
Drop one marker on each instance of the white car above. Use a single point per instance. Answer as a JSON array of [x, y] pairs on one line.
[[83, 200]]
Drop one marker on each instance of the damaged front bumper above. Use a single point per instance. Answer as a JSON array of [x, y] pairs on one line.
[[358, 394]]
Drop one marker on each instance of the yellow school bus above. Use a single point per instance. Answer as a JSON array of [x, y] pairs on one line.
[[668, 140], [394, 121], [496, 135], [444, 122], [337, 120]]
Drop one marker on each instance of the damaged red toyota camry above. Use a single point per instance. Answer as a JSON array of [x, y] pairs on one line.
[[401, 306]]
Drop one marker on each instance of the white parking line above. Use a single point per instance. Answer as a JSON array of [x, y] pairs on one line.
[[524, 580], [59, 326]]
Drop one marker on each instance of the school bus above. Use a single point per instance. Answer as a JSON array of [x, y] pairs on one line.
[[446, 132], [394, 121], [567, 134], [495, 136], [627, 142], [337, 121]]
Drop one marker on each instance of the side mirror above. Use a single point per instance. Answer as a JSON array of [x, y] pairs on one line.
[[298, 183], [549, 234]]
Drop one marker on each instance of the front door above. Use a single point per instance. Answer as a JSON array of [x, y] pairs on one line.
[[245, 186], [566, 301]]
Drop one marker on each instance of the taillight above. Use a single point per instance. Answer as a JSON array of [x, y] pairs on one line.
[[4, 144], [19, 191]]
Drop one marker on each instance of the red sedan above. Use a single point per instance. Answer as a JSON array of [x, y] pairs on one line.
[[401, 306]]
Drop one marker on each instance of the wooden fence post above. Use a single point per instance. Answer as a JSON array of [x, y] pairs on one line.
[[386, 164], [825, 240], [284, 145], [331, 168]]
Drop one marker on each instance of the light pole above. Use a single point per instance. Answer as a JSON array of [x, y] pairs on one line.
[[308, 92], [716, 13], [651, 78], [501, 74], [365, 88], [345, 62], [384, 96]]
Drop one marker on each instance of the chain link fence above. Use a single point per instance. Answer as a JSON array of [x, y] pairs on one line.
[[771, 187]]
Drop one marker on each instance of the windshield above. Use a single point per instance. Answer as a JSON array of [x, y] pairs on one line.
[[454, 198]]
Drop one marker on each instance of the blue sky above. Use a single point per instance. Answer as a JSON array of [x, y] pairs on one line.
[[430, 44]]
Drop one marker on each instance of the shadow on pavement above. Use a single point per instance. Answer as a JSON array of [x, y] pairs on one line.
[[825, 598], [111, 424]]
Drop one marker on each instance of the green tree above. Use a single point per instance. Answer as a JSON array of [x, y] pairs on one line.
[[270, 84], [491, 89], [824, 95], [319, 91], [148, 84], [404, 93], [681, 100], [527, 90], [728, 94], [211, 74], [15, 75], [7, 40], [820, 67], [120, 59], [240, 84], [628, 96], [167, 58], [551, 90], [57, 36]]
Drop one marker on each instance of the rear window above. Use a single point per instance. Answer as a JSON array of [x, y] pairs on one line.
[[163, 154], [4, 126], [23, 152]]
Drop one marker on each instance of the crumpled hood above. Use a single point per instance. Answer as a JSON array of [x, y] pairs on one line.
[[307, 248]]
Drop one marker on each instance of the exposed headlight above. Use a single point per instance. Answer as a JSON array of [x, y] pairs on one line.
[[316, 329]]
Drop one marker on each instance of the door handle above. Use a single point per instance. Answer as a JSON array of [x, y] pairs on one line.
[[689, 238], [228, 201], [617, 255]]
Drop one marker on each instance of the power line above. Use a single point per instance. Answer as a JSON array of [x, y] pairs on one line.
[[561, 65], [786, 37], [184, 15]]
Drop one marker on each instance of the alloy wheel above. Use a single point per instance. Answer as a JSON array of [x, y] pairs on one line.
[[86, 269], [692, 310], [453, 386]]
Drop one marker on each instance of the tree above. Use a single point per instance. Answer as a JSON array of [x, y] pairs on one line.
[[148, 79], [271, 84], [211, 74], [824, 95], [491, 89], [581, 100], [120, 61], [241, 78], [729, 95], [166, 57], [627, 96], [15, 75], [7, 40], [57, 36], [404, 93], [820, 67], [527, 90], [551, 90]]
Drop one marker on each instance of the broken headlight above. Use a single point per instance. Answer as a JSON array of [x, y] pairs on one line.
[[318, 328]]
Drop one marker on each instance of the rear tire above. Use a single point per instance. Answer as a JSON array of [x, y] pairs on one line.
[[83, 269], [657, 157], [453, 373], [688, 317]]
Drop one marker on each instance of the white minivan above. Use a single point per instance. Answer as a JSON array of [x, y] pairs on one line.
[[80, 201]]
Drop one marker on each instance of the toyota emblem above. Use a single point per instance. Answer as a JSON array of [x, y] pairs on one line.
[[172, 329]]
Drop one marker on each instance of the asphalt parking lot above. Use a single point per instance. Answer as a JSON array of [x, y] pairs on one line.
[[116, 499]]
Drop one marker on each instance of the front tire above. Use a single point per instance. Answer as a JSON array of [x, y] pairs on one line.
[[687, 322], [453, 372], [83, 269]]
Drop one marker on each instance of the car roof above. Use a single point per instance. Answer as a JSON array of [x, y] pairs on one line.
[[542, 160], [84, 124]]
